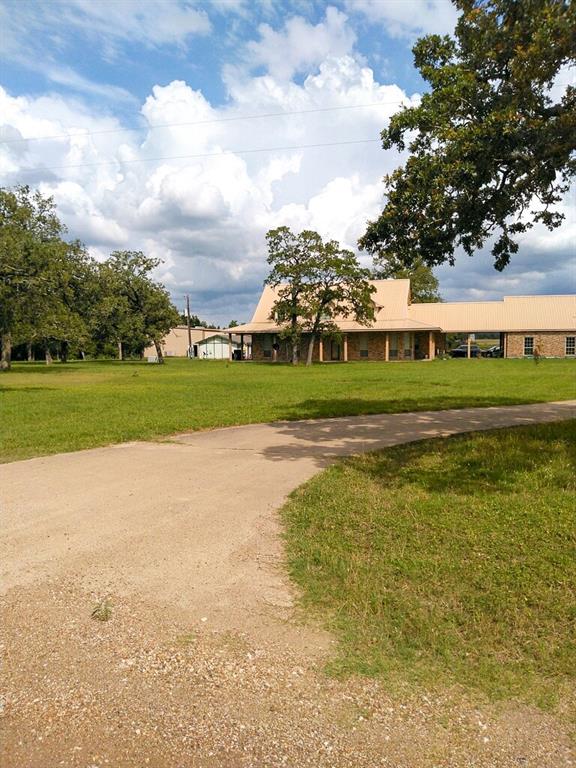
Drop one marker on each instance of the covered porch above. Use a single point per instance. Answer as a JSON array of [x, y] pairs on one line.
[[383, 346]]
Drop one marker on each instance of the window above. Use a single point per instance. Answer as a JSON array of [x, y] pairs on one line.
[[407, 346], [528, 345], [363, 345], [393, 349], [571, 345], [267, 345]]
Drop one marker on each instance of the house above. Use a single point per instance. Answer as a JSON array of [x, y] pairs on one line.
[[403, 330]]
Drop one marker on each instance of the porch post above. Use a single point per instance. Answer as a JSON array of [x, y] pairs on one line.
[[386, 346], [431, 345], [469, 352], [345, 347], [229, 346], [241, 346], [274, 350], [321, 349]]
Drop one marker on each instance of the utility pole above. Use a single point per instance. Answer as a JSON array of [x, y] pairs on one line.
[[188, 324]]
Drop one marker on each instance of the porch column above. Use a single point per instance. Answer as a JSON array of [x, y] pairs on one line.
[[321, 349], [345, 347], [386, 346], [431, 345], [274, 350], [229, 346], [241, 346], [468, 351]]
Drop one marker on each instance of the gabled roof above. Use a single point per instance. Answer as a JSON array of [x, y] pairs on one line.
[[391, 303]]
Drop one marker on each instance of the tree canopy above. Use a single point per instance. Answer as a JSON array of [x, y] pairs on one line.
[[492, 144], [53, 294], [319, 282]]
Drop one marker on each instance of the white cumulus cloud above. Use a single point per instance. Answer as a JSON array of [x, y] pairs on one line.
[[408, 18]]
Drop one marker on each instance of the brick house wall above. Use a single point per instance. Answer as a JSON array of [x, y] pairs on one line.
[[257, 348], [375, 341], [548, 344]]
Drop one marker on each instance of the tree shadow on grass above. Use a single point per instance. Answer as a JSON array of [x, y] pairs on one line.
[[349, 406], [476, 464], [373, 429], [11, 390], [40, 368]]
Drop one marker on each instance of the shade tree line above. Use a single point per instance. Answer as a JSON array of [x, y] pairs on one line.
[[55, 297]]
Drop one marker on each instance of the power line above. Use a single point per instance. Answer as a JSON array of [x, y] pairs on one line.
[[237, 118], [199, 156], [204, 122]]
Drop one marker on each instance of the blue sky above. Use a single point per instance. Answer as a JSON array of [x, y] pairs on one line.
[[145, 121]]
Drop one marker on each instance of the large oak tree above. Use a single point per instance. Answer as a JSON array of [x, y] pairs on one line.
[[317, 282], [492, 144]]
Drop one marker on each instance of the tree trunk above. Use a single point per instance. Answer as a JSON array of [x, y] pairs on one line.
[[48, 356], [310, 348], [64, 352], [120, 350], [294, 328], [6, 358], [294, 352], [159, 353], [313, 334], [29, 352]]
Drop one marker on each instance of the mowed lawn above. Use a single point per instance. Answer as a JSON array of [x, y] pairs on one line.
[[450, 561], [48, 409]]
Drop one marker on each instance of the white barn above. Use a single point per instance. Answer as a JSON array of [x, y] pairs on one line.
[[215, 347]]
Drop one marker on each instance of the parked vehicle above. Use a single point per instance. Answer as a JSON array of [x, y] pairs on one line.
[[495, 351], [462, 351]]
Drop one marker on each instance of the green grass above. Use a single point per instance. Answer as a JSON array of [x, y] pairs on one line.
[[447, 562], [48, 409]]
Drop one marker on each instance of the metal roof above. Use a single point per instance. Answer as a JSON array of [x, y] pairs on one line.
[[394, 312]]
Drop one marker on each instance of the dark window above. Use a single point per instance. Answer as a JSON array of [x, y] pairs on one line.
[[267, 345], [571, 345], [363, 345], [528, 345]]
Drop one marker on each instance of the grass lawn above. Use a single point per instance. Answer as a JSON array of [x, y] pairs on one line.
[[450, 561], [48, 409]]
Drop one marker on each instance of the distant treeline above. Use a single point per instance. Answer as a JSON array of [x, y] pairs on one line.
[[56, 300]]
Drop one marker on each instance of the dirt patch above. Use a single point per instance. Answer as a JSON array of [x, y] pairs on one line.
[[149, 687]]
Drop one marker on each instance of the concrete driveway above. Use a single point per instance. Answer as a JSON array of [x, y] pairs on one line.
[[184, 531], [191, 522]]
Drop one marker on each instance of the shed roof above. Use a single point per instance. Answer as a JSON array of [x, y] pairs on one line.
[[223, 337]]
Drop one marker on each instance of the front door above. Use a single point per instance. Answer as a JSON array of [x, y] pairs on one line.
[[334, 350]]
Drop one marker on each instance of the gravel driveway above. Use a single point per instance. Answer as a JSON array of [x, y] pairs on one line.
[[204, 661]]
